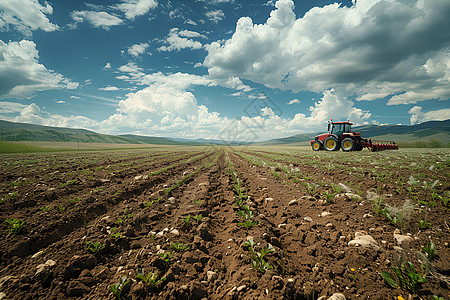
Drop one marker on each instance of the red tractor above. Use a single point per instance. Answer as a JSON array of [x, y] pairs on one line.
[[340, 135]]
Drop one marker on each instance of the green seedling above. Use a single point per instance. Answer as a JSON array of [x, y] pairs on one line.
[[74, 201], [119, 287], [117, 236], [258, 262], [424, 224], [93, 248], [430, 250], [248, 224], [150, 203], [179, 247], [167, 258], [187, 220], [407, 278], [46, 209], [434, 297], [15, 225], [198, 217], [151, 279], [61, 208]]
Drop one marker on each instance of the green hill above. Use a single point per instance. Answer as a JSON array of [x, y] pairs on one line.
[[11, 131]]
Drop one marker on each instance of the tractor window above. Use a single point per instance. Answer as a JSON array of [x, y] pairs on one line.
[[338, 129], [348, 128]]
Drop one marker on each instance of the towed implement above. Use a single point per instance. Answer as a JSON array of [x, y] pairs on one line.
[[340, 135]]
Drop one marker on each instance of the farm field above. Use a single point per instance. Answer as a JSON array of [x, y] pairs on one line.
[[224, 223]]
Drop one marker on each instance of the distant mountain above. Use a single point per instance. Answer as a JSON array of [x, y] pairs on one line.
[[439, 130], [11, 131]]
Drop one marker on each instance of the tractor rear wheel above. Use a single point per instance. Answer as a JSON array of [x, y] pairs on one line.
[[316, 146], [331, 144], [348, 144]]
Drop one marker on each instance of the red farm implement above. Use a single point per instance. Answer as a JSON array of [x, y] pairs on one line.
[[340, 135]]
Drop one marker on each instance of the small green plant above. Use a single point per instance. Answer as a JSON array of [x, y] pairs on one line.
[[119, 287], [258, 262], [167, 259], [424, 224], [150, 203], [329, 196], [434, 297], [46, 209], [117, 236], [187, 220], [61, 208], [407, 278], [430, 251], [179, 247], [15, 226], [336, 188], [198, 217], [151, 279], [74, 201], [93, 248], [248, 224]]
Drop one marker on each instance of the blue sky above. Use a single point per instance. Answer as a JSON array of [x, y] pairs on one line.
[[246, 70]]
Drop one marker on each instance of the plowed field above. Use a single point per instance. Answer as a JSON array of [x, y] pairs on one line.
[[223, 223]]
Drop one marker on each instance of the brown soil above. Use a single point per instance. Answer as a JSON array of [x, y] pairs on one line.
[[141, 204]]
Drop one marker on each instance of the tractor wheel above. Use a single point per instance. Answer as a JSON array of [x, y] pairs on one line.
[[316, 146], [348, 144], [331, 144]]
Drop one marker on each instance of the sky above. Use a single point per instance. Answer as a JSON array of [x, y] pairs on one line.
[[223, 69]]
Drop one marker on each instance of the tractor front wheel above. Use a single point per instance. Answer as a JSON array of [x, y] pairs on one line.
[[348, 144], [331, 144], [316, 146]]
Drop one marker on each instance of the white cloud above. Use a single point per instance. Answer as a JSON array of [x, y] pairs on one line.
[[25, 16], [35, 115], [418, 116], [178, 40], [109, 88], [10, 107], [215, 15], [135, 8], [137, 49], [107, 66], [61, 102], [75, 97], [373, 49], [294, 101], [96, 18], [21, 74]]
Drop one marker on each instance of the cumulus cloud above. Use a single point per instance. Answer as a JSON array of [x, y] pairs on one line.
[[34, 114], [215, 15], [21, 74], [10, 107], [294, 101], [109, 88], [137, 49], [135, 8], [418, 116], [25, 16], [100, 19], [107, 66], [181, 39], [373, 49]]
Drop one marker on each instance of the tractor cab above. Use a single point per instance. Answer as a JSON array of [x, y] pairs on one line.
[[339, 128]]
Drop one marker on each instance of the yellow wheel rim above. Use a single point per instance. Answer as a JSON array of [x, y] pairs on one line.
[[316, 146], [331, 144], [347, 144]]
